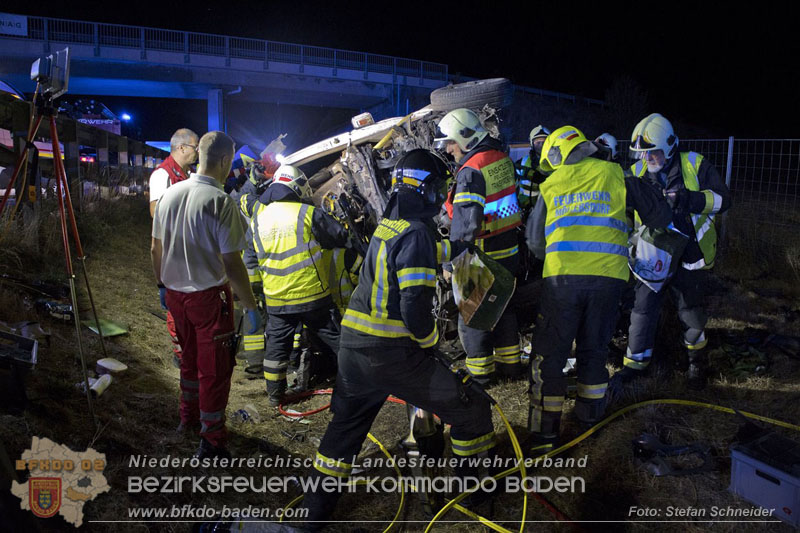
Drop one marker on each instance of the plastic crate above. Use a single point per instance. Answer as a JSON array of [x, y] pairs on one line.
[[766, 472], [15, 349]]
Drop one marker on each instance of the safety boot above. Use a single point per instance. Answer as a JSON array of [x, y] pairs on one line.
[[697, 374], [276, 391], [544, 436]]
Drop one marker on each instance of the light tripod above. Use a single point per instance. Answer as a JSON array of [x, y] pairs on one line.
[[45, 108]]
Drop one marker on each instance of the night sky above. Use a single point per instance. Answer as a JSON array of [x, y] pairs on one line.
[[733, 70]]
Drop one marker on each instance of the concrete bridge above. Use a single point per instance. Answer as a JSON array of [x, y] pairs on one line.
[[116, 60]]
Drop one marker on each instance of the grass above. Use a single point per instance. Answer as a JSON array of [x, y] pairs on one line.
[[139, 411]]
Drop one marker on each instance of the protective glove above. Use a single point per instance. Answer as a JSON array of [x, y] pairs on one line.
[[162, 295], [679, 200], [254, 318]]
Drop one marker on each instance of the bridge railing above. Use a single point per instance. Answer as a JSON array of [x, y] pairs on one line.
[[137, 37]]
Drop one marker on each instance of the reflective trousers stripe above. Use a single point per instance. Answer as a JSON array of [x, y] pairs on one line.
[[480, 366], [592, 392], [466, 448], [332, 467]]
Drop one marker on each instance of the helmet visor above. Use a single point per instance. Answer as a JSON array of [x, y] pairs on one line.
[[639, 144]]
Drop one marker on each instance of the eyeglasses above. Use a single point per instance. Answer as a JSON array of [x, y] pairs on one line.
[[192, 146]]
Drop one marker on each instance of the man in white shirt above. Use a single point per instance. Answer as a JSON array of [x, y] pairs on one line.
[[174, 169], [198, 236]]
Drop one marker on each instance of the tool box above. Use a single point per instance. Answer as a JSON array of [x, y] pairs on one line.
[[766, 472]]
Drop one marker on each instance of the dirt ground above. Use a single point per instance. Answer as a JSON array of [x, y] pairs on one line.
[[139, 412]]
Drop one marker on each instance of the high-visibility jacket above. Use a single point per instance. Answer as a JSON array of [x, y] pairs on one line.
[[527, 184], [501, 211], [290, 260], [586, 232], [704, 228], [391, 306]]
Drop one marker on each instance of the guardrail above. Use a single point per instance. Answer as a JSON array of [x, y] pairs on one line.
[[145, 39]]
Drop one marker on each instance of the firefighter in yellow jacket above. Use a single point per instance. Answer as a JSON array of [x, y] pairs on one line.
[[579, 229], [290, 235]]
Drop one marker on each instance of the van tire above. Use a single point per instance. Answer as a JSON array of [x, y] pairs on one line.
[[496, 92]]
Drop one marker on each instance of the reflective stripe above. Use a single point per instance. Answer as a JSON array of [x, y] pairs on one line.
[[641, 356], [697, 265], [412, 277], [431, 340], [380, 327], [188, 384], [466, 448], [316, 257], [380, 289], [699, 344], [708, 221], [502, 254], [553, 404], [466, 197], [587, 246], [509, 359], [211, 421], [506, 350], [480, 366], [332, 467], [443, 251], [592, 392], [254, 342], [578, 220], [636, 365]]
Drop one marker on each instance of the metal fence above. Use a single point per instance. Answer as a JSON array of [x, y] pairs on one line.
[[115, 35]]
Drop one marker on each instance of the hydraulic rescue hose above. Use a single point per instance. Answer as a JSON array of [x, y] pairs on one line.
[[454, 503]]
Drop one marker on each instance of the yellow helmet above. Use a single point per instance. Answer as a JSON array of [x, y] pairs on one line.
[[559, 145], [654, 132]]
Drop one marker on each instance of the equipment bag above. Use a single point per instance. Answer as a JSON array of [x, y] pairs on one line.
[[655, 255], [482, 288]]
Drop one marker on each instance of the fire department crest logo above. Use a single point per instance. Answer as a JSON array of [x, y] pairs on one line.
[[45, 496]]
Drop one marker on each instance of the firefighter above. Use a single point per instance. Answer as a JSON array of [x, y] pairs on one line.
[[579, 229], [697, 193], [485, 210], [289, 235], [529, 172], [388, 332]]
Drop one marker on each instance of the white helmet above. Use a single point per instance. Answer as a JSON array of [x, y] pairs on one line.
[[539, 132], [293, 178], [654, 132], [610, 142], [461, 126]]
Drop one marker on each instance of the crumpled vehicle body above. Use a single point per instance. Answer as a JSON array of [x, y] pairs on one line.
[[350, 173]]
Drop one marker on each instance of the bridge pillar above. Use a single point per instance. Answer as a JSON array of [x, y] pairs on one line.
[[216, 110]]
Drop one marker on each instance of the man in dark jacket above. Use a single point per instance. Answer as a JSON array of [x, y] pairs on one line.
[[485, 211], [387, 330], [697, 193]]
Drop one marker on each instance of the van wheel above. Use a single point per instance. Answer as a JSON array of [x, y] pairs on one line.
[[496, 92]]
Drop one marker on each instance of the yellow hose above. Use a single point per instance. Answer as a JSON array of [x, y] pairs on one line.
[[388, 135], [454, 503]]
